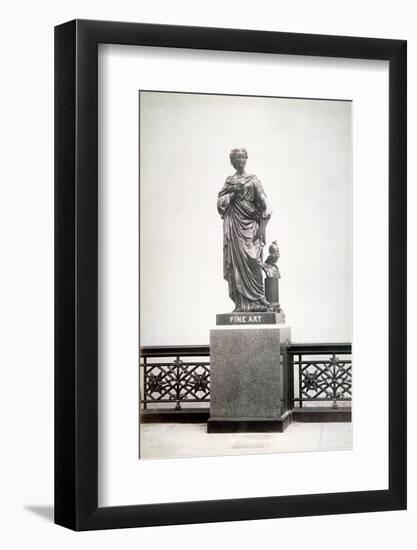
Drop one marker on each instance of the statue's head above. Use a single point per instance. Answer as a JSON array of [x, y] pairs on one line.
[[273, 253], [238, 158]]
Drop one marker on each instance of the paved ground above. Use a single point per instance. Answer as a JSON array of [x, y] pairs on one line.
[[187, 440]]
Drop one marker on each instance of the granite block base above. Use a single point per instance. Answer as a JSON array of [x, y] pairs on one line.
[[248, 382]]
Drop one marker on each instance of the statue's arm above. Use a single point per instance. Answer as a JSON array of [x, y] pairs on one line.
[[223, 204], [224, 198], [262, 200]]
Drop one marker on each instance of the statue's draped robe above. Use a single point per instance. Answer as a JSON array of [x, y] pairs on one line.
[[243, 238]]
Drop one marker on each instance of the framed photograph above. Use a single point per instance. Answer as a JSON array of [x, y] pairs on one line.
[[230, 284]]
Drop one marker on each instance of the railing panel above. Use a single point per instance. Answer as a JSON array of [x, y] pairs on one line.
[[173, 379], [323, 379]]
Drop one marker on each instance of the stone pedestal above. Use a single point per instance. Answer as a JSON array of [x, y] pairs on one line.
[[248, 381]]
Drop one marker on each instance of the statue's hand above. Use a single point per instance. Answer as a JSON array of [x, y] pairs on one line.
[[234, 191]]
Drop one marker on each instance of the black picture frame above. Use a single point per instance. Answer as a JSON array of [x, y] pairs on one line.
[[76, 272]]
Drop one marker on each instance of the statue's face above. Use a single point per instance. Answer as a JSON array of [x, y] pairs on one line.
[[239, 160]]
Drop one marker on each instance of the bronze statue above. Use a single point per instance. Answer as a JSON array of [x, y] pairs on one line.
[[242, 205]]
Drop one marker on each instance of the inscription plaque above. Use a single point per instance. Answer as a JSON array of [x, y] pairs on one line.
[[258, 318]]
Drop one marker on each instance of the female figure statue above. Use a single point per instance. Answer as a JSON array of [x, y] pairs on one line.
[[242, 205]]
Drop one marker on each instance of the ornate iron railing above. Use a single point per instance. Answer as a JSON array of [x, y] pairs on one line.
[[317, 373], [320, 373], [175, 374]]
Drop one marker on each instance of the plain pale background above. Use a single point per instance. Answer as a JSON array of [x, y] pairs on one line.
[[27, 275], [300, 149]]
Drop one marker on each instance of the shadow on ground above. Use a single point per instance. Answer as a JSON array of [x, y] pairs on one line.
[[45, 512]]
